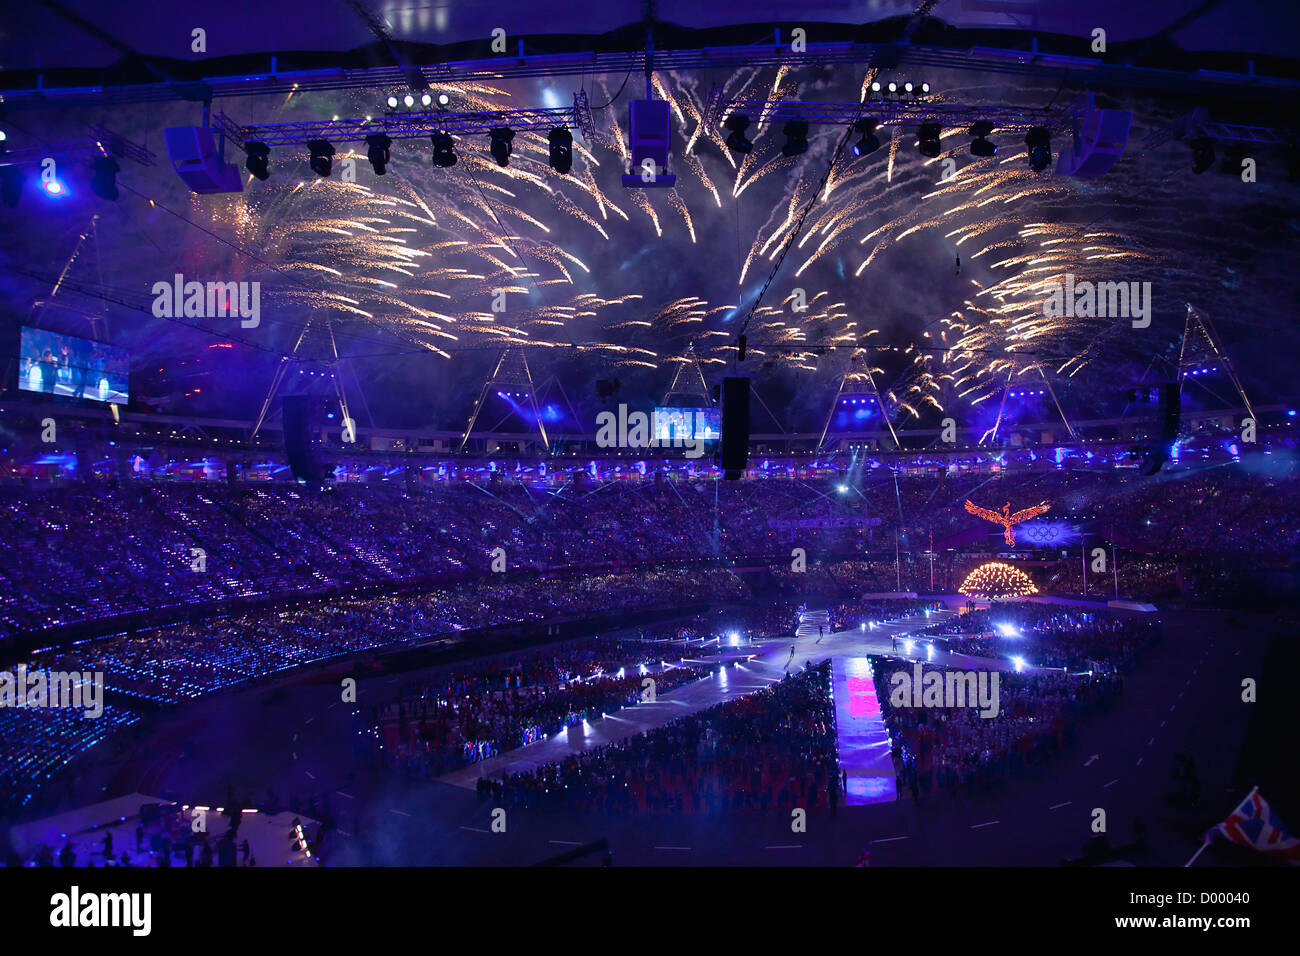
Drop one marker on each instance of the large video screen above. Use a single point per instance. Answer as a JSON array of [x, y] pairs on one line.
[[75, 368], [685, 424]]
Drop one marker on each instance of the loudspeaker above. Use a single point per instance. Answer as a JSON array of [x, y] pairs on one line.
[[196, 159], [1169, 409], [649, 137], [733, 448], [298, 411], [1102, 138]]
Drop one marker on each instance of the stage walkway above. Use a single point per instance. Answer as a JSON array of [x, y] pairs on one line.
[[772, 661]]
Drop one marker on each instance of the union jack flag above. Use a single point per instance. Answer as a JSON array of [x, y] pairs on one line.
[[1254, 824]]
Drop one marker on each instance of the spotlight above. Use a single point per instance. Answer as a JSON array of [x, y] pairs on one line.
[[1038, 144], [561, 157], [444, 150], [257, 161], [377, 153], [1202, 154], [3, 136], [426, 99], [738, 142], [103, 180], [11, 185], [907, 87], [868, 144], [53, 187], [443, 99], [796, 138], [408, 101], [925, 89], [875, 87], [893, 88], [321, 157], [980, 145], [500, 137], [927, 140], [392, 101]]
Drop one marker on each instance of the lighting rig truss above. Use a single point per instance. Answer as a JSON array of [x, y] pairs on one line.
[[415, 125], [102, 142], [719, 107], [1197, 123], [1089, 72]]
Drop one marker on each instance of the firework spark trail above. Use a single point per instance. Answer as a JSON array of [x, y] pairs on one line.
[[388, 250]]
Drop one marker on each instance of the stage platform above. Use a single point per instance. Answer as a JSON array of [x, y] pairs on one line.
[[861, 737], [769, 662], [84, 829]]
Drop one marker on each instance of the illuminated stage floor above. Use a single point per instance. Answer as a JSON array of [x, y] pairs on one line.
[[862, 739]]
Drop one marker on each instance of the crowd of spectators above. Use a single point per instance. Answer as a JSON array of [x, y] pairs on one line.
[[958, 751], [1046, 635], [85, 551], [771, 750], [475, 713]]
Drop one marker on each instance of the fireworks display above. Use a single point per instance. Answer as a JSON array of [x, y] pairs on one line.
[[902, 280]]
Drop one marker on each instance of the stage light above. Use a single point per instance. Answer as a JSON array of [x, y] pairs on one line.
[[443, 99], [1038, 145], [3, 136], [893, 88], [907, 87], [11, 185], [53, 187], [738, 142], [444, 150], [408, 101], [875, 87], [322, 154], [561, 157], [927, 140], [1202, 154], [377, 152], [426, 100], [796, 138], [868, 144], [925, 89], [392, 102], [103, 180], [257, 161], [980, 145], [499, 147]]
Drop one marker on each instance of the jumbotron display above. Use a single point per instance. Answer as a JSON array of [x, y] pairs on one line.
[[686, 424], [70, 367]]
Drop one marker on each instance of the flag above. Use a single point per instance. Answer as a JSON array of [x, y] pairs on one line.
[[864, 858], [1254, 824]]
